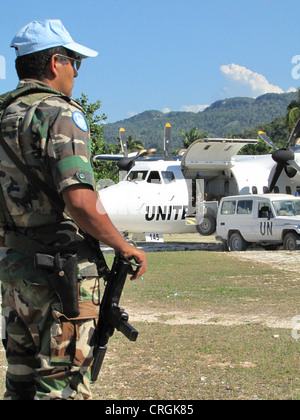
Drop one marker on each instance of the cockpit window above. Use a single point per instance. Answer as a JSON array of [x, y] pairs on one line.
[[168, 176], [154, 178], [137, 175]]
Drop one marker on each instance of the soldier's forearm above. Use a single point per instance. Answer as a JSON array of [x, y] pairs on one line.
[[88, 212]]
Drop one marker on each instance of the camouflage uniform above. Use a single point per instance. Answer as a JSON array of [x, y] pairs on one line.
[[49, 356]]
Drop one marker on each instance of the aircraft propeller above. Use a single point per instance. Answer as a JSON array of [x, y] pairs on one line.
[[167, 139], [285, 159], [126, 164], [123, 142]]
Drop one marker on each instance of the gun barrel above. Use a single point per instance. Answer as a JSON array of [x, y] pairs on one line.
[[99, 355]]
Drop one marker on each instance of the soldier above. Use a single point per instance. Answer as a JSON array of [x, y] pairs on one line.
[[48, 333]]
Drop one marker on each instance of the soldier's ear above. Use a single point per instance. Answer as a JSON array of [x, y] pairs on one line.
[[53, 67]]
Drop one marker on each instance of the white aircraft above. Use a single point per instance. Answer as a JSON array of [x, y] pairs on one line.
[[167, 194]]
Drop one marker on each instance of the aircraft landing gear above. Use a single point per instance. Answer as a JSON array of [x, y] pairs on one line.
[[208, 226]]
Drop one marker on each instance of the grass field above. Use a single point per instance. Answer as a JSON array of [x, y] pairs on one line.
[[215, 327], [211, 326]]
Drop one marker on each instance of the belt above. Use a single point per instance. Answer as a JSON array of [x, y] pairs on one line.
[[25, 245], [30, 247]]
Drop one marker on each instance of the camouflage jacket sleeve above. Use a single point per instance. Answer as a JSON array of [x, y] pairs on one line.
[[66, 144]]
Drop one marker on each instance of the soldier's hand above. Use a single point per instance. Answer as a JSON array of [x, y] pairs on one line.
[[140, 257]]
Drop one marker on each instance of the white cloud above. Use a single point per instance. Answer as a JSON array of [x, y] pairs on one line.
[[242, 77], [193, 108], [292, 89], [166, 110]]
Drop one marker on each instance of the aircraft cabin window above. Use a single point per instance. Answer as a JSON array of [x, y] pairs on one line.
[[168, 176], [228, 207], [154, 178], [245, 207], [137, 176]]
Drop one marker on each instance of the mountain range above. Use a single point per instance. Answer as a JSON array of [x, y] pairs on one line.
[[224, 117]]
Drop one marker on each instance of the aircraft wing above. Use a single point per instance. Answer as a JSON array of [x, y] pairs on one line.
[[113, 158], [213, 153]]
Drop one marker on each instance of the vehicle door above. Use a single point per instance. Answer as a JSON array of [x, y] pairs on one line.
[[226, 217], [265, 226], [244, 219]]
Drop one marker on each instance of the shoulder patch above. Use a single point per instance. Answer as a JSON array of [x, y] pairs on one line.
[[80, 121]]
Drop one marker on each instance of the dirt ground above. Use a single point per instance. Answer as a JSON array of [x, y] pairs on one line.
[[282, 260]]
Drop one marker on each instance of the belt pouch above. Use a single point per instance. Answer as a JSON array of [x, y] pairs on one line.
[[64, 280]]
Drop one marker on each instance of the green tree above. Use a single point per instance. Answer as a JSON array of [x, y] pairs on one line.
[[276, 130], [134, 145], [94, 120], [293, 112], [102, 170], [191, 136]]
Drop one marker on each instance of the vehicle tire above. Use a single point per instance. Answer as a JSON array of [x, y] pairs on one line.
[[208, 226], [290, 242], [237, 243]]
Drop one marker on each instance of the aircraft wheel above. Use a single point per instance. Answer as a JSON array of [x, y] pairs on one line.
[[291, 242], [208, 226], [237, 243]]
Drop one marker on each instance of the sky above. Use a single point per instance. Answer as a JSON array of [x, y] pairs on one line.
[[168, 55]]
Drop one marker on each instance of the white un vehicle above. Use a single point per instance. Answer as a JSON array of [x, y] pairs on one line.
[[271, 220]]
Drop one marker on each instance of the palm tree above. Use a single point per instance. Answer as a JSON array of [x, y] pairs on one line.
[[191, 136], [293, 112], [134, 145]]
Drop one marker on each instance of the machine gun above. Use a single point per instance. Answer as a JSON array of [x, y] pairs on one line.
[[111, 316]]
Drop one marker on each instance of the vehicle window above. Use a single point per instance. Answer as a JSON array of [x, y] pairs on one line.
[[137, 175], [287, 207], [168, 176], [228, 207], [245, 207], [264, 210], [154, 178]]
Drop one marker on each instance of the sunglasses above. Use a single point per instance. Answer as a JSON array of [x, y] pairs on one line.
[[76, 62]]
